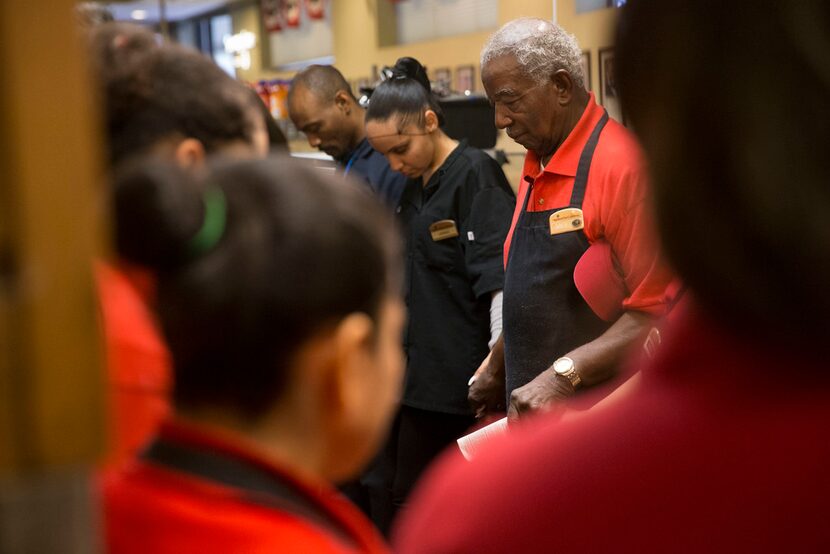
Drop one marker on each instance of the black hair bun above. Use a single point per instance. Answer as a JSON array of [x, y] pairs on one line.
[[412, 69], [158, 209]]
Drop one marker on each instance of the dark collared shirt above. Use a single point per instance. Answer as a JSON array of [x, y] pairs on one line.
[[449, 280], [369, 165]]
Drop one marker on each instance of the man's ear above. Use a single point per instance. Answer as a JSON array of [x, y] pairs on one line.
[[563, 85], [190, 154], [343, 101], [430, 121]]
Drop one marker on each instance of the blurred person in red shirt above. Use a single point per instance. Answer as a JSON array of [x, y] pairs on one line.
[[281, 306], [723, 444]]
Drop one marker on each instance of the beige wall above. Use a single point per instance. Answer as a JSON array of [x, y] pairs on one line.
[[593, 30], [356, 47], [248, 19], [51, 380]]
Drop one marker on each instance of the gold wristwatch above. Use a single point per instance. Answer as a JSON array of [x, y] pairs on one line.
[[564, 366]]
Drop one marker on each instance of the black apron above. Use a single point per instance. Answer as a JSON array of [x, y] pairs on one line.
[[545, 317]]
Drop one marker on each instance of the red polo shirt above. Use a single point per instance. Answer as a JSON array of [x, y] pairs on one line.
[[615, 207], [153, 507], [140, 375]]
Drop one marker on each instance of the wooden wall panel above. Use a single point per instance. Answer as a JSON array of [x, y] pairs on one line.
[[51, 385]]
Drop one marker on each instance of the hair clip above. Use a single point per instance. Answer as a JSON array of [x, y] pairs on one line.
[[213, 223]]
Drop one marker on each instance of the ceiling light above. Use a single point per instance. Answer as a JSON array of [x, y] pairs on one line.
[[139, 14]]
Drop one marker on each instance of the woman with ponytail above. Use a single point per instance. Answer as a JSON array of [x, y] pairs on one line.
[[281, 308], [455, 211]]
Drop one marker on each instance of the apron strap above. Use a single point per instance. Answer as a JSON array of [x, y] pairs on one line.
[[581, 181], [528, 192]]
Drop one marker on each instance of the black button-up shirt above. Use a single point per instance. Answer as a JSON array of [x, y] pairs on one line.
[[449, 281], [370, 166]]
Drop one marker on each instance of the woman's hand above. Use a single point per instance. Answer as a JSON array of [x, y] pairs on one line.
[[487, 389]]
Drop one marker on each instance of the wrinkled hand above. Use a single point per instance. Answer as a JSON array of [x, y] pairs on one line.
[[541, 394], [486, 393]]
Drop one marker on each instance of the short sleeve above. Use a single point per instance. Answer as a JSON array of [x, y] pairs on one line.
[[629, 228], [485, 228]]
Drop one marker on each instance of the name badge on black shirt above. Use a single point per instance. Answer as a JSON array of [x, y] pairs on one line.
[[444, 229], [564, 221]]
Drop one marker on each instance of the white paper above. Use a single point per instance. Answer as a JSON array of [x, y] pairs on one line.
[[472, 443]]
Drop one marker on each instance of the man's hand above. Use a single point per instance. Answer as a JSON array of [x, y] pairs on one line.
[[541, 394], [596, 361], [486, 393]]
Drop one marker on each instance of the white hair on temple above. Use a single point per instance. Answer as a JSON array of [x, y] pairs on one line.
[[541, 48]]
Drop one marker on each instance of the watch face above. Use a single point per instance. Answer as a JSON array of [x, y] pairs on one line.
[[563, 365]]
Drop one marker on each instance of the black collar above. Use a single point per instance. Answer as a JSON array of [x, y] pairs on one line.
[[435, 179], [257, 484]]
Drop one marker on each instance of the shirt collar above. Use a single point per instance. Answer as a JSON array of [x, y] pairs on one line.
[[436, 178], [362, 150], [566, 158]]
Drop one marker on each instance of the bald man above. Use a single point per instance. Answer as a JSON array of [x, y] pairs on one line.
[[322, 106]]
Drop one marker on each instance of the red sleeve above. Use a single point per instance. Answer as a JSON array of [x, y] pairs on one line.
[[138, 362], [625, 221]]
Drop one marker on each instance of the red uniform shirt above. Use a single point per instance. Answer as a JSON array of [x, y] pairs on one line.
[[714, 451], [151, 507], [615, 207], [138, 363]]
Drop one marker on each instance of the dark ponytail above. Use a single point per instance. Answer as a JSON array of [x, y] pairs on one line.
[[407, 93], [159, 209], [297, 251]]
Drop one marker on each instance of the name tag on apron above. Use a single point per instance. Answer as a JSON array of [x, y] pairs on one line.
[[565, 221], [444, 229]]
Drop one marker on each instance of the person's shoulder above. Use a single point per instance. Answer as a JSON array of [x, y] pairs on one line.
[[507, 498], [166, 512], [477, 158], [478, 164], [618, 168], [482, 505], [618, 149]]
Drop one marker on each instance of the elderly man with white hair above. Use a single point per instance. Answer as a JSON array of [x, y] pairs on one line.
[[583, 184]]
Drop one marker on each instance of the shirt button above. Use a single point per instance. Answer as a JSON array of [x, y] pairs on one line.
[[541, 201]]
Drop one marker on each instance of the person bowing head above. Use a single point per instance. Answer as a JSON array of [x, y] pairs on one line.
[[455, 212]]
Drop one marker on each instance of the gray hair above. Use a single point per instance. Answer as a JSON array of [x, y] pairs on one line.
[[540, 47]]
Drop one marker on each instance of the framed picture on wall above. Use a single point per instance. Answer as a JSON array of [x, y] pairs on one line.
[[608, 96], [586, 68], [442, 75], [465, 78], [441, 79], [272, 17]]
